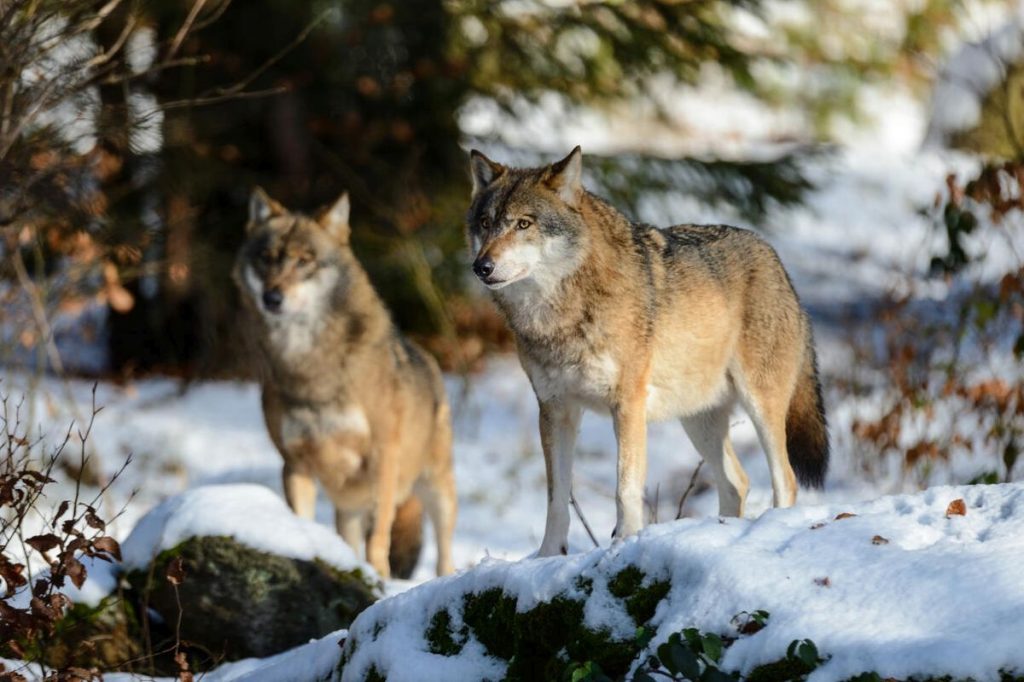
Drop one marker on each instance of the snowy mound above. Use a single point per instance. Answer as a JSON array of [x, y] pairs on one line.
[[251, 514], [914, 585]]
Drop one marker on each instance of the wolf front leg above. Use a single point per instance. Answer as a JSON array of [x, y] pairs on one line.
[[378, 547], [630, 419], [559, 425], [299, 489]]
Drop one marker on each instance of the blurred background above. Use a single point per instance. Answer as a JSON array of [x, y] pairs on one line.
[[877, 144]]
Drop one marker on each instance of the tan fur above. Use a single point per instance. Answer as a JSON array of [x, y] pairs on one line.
[[347, 400], [645, 323]]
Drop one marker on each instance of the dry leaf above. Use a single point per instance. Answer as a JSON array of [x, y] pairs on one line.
[[879, 540], [956, 508], [823, 582], [175, 571], [820, 524], [109, 545], [844, 515], [43, 543]]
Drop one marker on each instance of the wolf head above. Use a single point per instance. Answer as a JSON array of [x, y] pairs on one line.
[[525, 223], [290, 264]]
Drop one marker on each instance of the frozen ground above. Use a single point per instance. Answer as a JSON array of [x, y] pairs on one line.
[[901, 588]]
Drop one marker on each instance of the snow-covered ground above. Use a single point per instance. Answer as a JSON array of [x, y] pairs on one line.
[[901, 588]]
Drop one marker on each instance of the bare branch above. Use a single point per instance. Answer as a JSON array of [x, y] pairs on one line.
[[583, 519], [185, 28], [689, 489]]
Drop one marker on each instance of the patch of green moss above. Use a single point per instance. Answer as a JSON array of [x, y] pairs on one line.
[[490, 615], [584, 584], [441, 639], [103, 636], [613, 655], [783, 670], [626, 582], [641, 600], [539, 643]]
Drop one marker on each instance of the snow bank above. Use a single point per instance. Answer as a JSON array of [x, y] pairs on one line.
[[251, 514], [900, 589], [317, 660]]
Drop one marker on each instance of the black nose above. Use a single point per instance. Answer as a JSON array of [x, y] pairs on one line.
[[272, 299], [483, 267]]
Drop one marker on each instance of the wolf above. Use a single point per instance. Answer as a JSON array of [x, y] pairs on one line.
[[645, 323], [347, 400]]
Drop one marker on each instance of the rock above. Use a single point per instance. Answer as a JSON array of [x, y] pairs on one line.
[[238, 602]]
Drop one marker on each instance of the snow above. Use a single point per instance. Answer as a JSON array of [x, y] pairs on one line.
[[251, 514], [316, 660], [941, 597]]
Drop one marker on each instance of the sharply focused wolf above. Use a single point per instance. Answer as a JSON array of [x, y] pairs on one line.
[[645, 323], [347, 400]]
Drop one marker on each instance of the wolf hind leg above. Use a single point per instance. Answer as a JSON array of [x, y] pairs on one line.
[[767, 406], [709, 431], [299, 490], [438, 495]]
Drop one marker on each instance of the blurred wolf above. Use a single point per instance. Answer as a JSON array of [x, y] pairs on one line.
[[645, 323], [347, 400]]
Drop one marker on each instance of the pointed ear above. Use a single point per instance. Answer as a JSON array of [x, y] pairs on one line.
[[566, 177], [483, 170], [335, 219], [262, 207]]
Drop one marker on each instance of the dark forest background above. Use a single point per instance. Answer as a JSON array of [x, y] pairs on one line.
[[309, 98]]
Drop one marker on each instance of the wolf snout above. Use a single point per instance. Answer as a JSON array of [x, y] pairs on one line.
[[272, 300], [483, 267]]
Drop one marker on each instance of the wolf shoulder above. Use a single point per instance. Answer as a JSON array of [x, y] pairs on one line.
[[719, 249]]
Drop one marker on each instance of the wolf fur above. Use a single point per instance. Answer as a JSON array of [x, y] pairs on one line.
[[347, 399], [645, 323]]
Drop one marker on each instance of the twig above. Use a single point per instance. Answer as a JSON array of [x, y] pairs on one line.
[[689, 489], [186, 27], [583, 519]]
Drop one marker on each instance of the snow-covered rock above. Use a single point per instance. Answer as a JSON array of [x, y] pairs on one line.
[[254, 579], [906, 586], [251, 514]]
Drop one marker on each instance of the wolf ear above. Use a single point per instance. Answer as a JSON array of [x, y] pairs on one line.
[[566, 177], [262, 207], [335, 219], [483, 170]]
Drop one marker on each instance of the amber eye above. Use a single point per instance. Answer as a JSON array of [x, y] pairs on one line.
[[485, 223], [305, 259], [267, 257], [524, 223]]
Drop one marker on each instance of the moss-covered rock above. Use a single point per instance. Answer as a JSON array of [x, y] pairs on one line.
[[237, 602], [542, 642], [104, 637]]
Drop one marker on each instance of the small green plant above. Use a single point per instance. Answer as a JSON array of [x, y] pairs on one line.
[[586, 672], [687, 655], [801, 659], [749, 622]]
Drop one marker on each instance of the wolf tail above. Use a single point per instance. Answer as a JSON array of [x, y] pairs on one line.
[[806, 428]]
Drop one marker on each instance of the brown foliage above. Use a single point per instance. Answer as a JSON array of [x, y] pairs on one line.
[[76, 530]]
